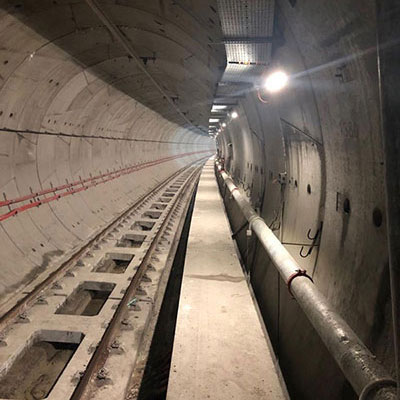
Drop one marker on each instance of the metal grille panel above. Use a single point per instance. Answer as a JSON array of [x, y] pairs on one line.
[[246, 19], [241, 73], [254, 53]]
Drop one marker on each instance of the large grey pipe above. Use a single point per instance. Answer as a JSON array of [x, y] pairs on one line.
[[366, 375]]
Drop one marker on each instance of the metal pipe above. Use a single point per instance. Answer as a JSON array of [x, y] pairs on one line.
[[366, 375], [388, 51]]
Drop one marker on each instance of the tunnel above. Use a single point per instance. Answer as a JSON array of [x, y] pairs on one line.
[[199, 199]]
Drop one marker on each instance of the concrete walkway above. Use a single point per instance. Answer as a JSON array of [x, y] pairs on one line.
[[220, 348]]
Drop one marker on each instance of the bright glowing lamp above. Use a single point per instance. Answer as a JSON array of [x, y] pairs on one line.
[[234, 114], [276, 81], [223, 124]]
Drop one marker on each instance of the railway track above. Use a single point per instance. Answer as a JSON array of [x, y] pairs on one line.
[[78, 334]]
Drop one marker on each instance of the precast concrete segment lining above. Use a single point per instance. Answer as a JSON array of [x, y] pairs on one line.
[[62, 73], [45, 196], [177, 47], [86, 136]]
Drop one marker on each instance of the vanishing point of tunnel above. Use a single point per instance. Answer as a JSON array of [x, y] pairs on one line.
[[199, 199]]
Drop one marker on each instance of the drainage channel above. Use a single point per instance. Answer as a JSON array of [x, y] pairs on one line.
[[82, 335], [151, 382]]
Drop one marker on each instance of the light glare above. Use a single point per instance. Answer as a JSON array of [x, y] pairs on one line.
[[216, 107], [234, 114], [276, 81]]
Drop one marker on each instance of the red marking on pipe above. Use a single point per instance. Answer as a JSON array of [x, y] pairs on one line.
[[70, 188], [299, 272]]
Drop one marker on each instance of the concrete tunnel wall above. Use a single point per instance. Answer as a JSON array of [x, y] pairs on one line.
[[92, 127], [323, 130]]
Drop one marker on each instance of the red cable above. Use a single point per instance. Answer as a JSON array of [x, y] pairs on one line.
[[93, 182], [299, 272]]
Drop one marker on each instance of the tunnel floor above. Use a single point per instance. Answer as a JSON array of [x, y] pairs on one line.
[[220, 336]]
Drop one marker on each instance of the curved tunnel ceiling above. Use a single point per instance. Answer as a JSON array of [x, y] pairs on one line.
[[74, 106]]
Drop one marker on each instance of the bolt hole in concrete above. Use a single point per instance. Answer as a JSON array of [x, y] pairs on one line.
[[34, 372], [152, 214], [157, 206], [87, 299], [114, 263], [142, 226], [309, 189], [377, 217], [131, 240], [346, 206]]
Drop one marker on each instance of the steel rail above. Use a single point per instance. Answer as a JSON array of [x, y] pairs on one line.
[[367, 376], [28, 300], [82, 391]]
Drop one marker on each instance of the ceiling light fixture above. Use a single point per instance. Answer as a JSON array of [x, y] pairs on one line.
[[276, 81], [234, 114]]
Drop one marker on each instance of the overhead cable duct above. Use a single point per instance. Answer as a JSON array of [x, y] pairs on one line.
[[367, 376]]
